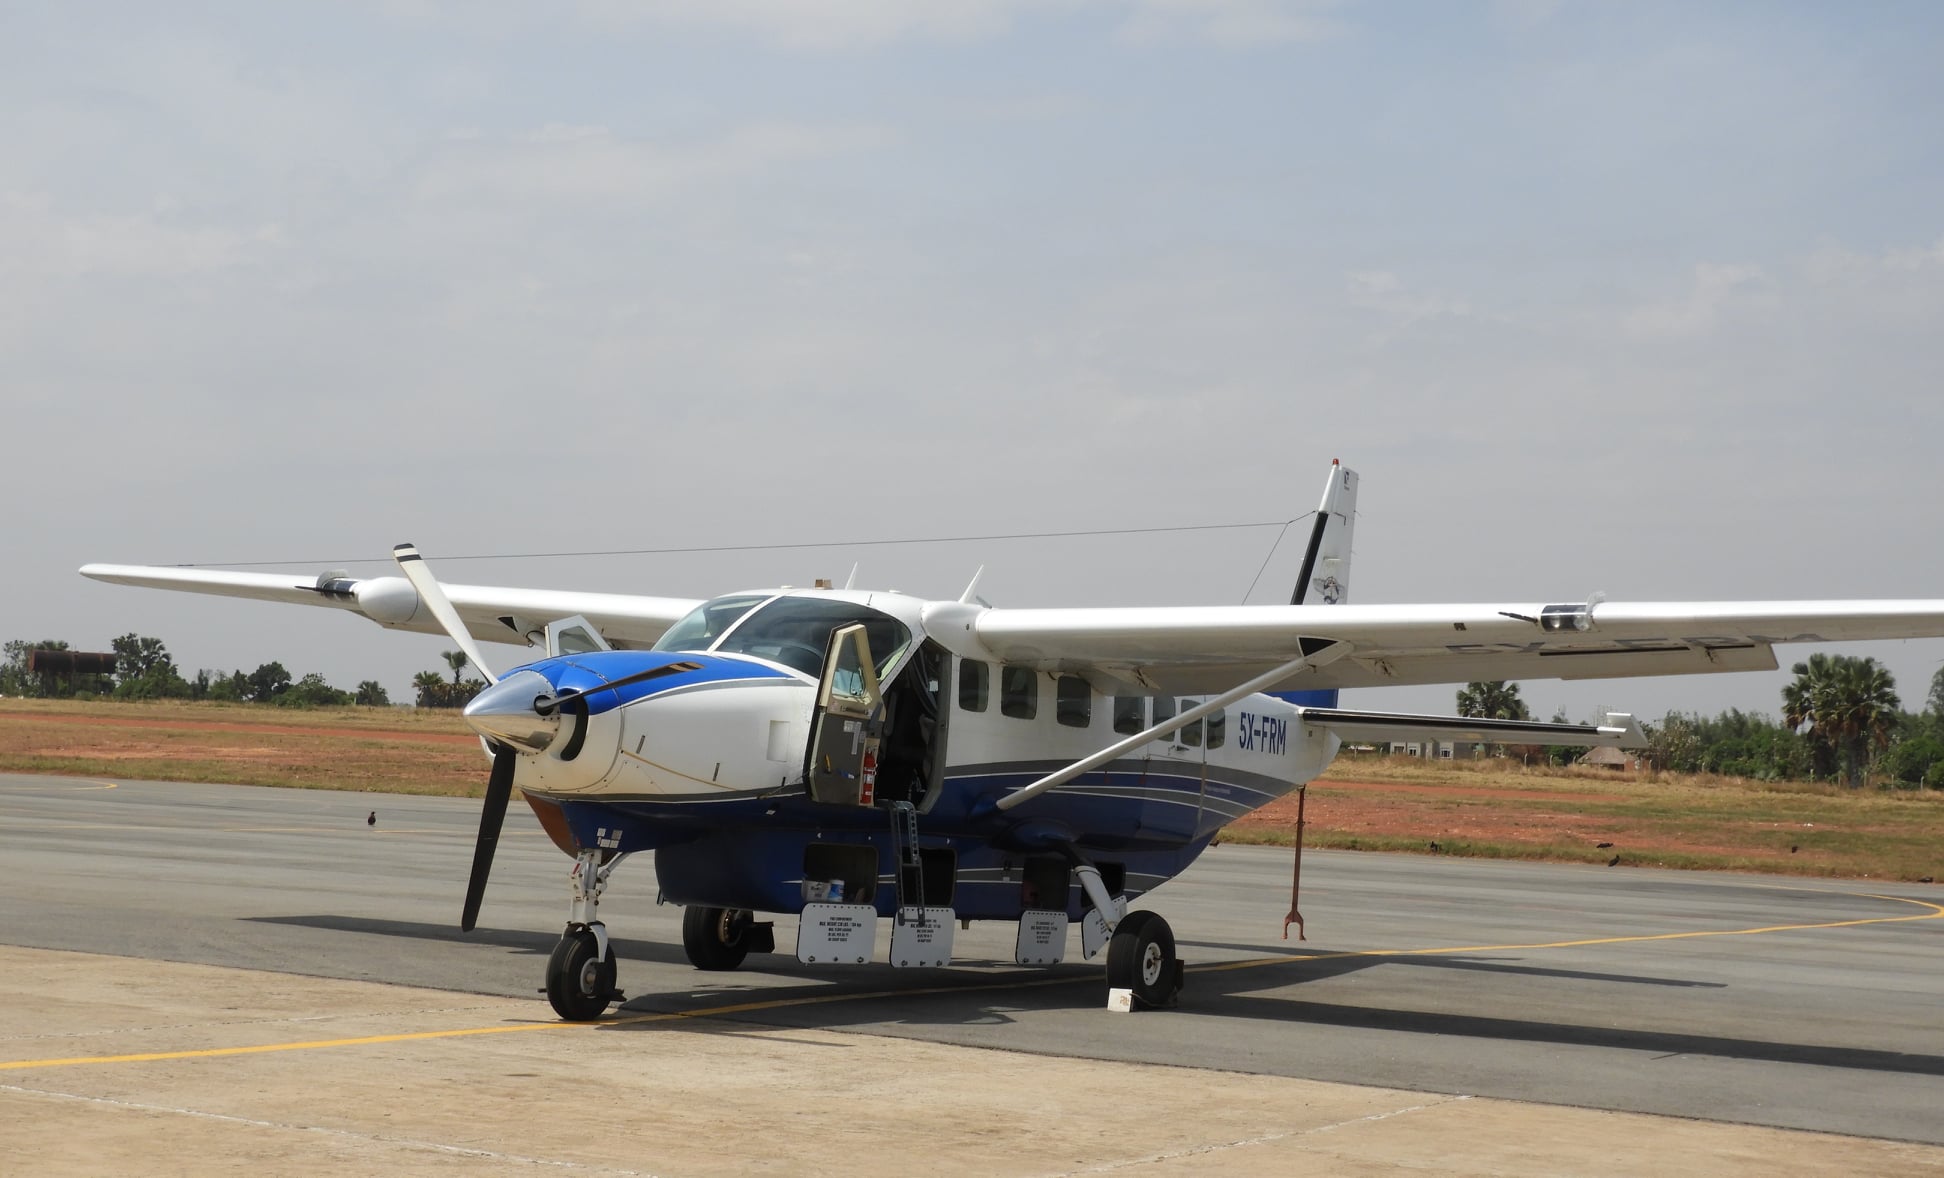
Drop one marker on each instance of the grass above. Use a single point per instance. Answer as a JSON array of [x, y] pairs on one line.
[[1489, 809], [390, 750], [1495, 810]]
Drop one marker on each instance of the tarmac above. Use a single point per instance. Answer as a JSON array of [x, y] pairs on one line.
[[186, 987]]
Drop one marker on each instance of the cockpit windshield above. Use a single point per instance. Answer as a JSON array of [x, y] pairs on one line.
[[794, 631], [707, 622]]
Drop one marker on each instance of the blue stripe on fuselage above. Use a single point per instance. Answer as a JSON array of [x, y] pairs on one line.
[[580, 672], [1326, 698]]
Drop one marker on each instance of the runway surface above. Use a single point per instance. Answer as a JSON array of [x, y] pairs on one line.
[[1763, 1001]]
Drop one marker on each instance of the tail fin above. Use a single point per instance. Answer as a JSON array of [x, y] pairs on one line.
[[1325, 579], [1326, 565]]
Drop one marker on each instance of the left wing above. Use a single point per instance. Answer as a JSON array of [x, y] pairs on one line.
[[491, 614], [1200, 649]]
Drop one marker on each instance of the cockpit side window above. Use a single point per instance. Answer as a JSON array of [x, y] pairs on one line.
[[707, 622]]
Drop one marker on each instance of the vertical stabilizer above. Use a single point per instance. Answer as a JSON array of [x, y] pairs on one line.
[[1325, 579]]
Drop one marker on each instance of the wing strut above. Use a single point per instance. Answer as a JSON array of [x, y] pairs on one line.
[[1316, 657]]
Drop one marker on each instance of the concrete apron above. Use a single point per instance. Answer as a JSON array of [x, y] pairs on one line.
[[274, 1074]]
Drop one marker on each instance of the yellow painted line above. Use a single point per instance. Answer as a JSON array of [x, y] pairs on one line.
[[1936, 911], [91, 784]]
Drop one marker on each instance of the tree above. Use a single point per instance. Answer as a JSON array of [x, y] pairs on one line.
[[1496, 700], [145, 670], [1935, 704], [431, 689], [457, 660], [1850, 708], [268, 682], [312, 692], [1492, 701], [371, 694], [1912, 760]]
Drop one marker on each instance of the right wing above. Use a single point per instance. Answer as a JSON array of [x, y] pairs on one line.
[[491, 614]]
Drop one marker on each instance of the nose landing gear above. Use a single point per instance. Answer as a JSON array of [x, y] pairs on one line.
[[580, 972]]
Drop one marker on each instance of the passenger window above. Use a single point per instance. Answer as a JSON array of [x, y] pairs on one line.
[[1019, 692], [1217, 728], [1190, 735], [1130, 713], [1073, 703], [1164, 708], [975, 682]]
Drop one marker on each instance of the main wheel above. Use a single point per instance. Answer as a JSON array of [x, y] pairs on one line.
[[715, 938], [1141, 958], [578, 986]]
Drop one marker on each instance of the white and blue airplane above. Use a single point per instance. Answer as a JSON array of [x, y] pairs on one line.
[[847, 755]]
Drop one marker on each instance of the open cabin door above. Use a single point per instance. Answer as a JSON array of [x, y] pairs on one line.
[[847, 724]]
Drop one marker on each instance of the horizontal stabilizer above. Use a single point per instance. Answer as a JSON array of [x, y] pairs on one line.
[[1619, 731]]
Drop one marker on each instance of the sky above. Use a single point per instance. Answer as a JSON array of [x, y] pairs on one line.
[[1644, 299]]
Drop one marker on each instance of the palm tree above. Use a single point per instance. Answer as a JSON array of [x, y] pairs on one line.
[[1494, 700], [1850, 708], [432, 690], [456, 659], [1497, 700]]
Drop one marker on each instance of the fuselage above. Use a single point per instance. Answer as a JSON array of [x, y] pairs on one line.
[[706, 762]]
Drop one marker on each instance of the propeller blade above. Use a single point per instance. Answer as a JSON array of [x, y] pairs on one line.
[[492, 815], [413, 566], [545, 706]]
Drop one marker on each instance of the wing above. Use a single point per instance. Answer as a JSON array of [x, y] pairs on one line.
[[1196, 650], [491, 614]]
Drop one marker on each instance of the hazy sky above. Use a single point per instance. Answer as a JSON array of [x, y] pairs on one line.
[[1637, 298]]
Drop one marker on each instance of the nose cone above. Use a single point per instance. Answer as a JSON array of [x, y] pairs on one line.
[[505, 713]]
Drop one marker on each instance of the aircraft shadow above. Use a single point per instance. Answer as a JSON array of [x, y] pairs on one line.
[[515, 940], [992, 993], [1346, 965], [949, 998]]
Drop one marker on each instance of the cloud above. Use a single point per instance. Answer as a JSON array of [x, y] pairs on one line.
[[1381, 290], [1228, 24], [859, 25], [1712, 288], [566, 166]]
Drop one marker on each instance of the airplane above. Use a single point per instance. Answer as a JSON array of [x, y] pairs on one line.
[[849, 755]]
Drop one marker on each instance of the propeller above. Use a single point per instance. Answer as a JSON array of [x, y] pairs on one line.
[[499, 787], [414, 567]]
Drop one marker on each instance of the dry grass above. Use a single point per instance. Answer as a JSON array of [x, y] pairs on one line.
[[1497, 810], [1493, 809], [391, 750]]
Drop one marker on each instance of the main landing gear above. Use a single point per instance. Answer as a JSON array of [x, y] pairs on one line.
[[717, 938], [580, 972], [1141, 957]]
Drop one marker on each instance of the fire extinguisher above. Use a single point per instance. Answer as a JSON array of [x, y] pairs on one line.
[[867, 777]]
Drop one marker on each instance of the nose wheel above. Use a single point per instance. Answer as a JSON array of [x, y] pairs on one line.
[[580, 984]]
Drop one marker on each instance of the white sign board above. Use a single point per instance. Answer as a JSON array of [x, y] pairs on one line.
[[921, 937], [837, 932], [1042, 938]]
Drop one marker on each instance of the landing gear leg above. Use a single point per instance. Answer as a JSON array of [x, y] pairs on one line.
[[580, 973], [1141, 958]]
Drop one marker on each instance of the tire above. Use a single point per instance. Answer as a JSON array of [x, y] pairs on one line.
[[1141, 957], [715, 938], [579, 987]]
